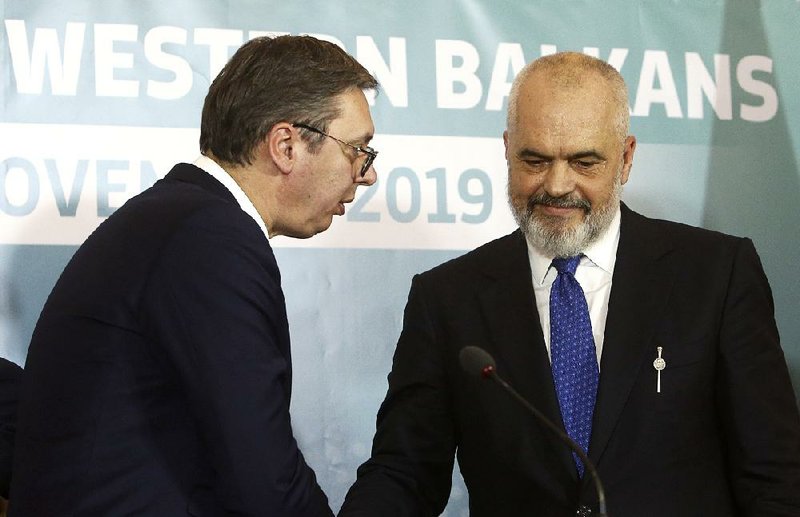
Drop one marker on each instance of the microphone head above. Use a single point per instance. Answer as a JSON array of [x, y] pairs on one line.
[[476, 361]]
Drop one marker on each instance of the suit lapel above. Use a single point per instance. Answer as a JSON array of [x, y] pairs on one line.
[[517, 341], [641, 284]]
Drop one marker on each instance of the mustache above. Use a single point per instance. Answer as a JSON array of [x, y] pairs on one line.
[[560, 202]]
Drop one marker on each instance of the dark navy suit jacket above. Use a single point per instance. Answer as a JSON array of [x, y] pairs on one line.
[[721, 439], [158, 378], [10, 379]]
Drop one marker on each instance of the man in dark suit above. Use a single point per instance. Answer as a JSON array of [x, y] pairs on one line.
[[10, 379], [159, 374], [711, 429]]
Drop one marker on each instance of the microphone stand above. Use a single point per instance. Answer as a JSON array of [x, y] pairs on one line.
[[489, 371]]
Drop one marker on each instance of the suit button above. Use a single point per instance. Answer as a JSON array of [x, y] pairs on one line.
[[583, 511]]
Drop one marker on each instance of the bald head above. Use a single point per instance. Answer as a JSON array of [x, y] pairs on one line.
[[569, 74]]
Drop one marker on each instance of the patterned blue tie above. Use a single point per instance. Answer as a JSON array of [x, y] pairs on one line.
[[573, 355]]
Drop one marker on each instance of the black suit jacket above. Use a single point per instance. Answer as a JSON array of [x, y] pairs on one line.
[[159, 374], [722, 438], [10, 379]]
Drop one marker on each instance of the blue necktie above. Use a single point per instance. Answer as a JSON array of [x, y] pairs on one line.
[[573, 355]]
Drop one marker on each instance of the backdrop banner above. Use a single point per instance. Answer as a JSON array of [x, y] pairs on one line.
[[99, 100]]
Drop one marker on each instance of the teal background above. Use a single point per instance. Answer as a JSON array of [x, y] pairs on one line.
[[345, 305]]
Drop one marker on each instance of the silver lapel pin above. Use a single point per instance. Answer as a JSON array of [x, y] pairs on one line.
[[659, 364]]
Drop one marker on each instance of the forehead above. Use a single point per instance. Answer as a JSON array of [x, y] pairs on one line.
[[354, 118], [547, 108]]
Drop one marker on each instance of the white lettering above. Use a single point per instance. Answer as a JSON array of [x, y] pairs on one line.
[[509, 58], [106, 60], [655, 66], [29, 64], [547, 50], [219, 42], [393, 77], [617, 57], [717, 90], [744, 74], [153, 51], [448, 74]]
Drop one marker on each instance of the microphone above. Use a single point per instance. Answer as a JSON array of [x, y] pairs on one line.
[[477, 361]]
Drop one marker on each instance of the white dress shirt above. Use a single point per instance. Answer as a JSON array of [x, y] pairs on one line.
[[218, 173], [594, 273]]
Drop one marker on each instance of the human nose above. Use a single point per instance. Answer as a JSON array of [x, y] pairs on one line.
[[560, 180], [369, 178]]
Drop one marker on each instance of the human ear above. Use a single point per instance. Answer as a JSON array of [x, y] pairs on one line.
[[628, 149], [281, 146]]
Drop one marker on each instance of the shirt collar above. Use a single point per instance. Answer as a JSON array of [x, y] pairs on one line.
[[602, 253], [218, 173]]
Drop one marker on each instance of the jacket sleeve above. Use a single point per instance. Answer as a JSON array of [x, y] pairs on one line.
[[755, 396]]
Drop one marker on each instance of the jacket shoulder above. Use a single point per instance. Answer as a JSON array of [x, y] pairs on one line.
[[486, 259], [678, 235]]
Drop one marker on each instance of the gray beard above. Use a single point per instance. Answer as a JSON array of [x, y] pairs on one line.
[[550, 239]]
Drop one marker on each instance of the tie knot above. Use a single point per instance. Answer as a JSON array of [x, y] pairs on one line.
[[567, 264]]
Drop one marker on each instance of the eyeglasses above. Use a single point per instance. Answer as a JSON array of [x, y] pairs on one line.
[[369, 151]]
